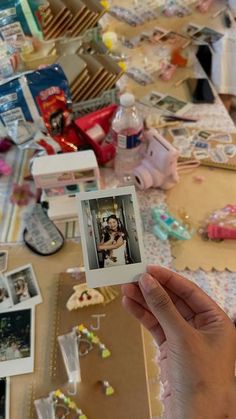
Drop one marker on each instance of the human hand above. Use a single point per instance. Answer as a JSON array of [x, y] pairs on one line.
[[197, 344]]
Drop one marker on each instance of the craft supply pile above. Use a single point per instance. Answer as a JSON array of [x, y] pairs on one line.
[[107, 111]]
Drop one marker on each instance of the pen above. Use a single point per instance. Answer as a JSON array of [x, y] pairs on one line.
[[179, 82]]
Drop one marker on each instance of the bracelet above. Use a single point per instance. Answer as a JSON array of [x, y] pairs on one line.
[[58, 395]]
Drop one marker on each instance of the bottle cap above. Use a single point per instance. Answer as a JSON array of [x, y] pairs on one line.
[[127, 100]]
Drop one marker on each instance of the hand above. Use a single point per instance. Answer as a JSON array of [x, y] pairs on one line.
[[197, 344]]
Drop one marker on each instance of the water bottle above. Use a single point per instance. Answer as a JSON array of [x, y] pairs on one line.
[[127, 133]]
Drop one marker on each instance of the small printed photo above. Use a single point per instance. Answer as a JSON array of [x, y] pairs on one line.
[[5, 301], [16, 342], [23, 287], [3, 260], [207, 35], [152, 99], [171, 104], [205, 135], [111, 236], [179, 132], [191, 29], [4, 398]]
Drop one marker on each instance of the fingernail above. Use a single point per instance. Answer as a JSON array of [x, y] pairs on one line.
[[148, 283]]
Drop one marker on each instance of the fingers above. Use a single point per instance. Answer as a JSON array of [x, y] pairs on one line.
[[162, 307], [190, 293], [133, 291], [146, 319]]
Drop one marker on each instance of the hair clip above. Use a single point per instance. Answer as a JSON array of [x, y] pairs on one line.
[[58, 395], [83, 332], [107, 388]]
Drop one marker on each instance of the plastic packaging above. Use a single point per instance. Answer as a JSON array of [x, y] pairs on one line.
[[45, 408], [70, 353], [127, 131], [221, 224]]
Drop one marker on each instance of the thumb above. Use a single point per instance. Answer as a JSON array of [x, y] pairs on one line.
[[162, 307]]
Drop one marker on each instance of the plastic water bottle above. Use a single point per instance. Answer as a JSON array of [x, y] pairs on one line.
[[127, 132]]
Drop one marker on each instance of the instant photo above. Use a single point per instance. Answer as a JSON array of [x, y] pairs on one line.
[[5, 301], [17, 342], [111, 236], [22, 287], [4, 398]]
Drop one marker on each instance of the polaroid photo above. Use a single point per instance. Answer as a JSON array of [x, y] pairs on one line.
[[207, 36], [17, 330], [191, 29], [203, 145], [204, 135], [5, 301], [201, 154], [23, 287], [173, 105], [3, 262], [152, 99], [5, 398], [111, 236], [218, 156], [179, 132], [181, 142]]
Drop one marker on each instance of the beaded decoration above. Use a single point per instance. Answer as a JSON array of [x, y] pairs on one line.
[[70, 404], [83, 332]]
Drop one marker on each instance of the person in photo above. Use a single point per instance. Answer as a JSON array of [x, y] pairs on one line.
[[12, 351], [21, 289], [113, 244]]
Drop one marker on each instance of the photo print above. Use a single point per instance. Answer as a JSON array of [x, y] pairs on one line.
[[4, 398], [16, 342], [3, 260], [22, 287], [5, 301], [172, 104], [111, 236]]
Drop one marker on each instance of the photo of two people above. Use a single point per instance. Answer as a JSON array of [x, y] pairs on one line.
[[111, 232]]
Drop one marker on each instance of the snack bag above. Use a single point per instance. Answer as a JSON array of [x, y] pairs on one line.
[[38, 101], [18, 21]]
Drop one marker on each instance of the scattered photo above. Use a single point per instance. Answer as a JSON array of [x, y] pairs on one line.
[[179, 132], [229, 150], [172, 105], [152, 99], [22, 287], [218, 156], [16, 342], [191, 29], [175, 39], [5, 301], [201, 154], [205, 135], [111, 236], [207, 36], [3, 260], [4, 398]]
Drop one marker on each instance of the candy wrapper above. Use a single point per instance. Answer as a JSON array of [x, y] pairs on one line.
[[35, 102], [18, 20], [220, 225]]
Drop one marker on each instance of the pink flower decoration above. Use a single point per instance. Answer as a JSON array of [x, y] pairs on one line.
[[5, 169], [21, 194]]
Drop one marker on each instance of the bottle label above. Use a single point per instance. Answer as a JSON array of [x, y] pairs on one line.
[[129, 141]]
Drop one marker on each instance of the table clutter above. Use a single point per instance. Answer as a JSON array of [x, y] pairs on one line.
[[116, 152]]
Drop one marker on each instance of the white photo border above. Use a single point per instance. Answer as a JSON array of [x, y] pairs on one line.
[[117, 274], [31, 301], [21, 365]]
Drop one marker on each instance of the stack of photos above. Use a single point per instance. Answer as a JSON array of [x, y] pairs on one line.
[[111, 236], [19, 293]]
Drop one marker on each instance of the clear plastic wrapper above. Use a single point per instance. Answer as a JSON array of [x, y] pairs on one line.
[[69, 349], [45, 408], [220, 225]]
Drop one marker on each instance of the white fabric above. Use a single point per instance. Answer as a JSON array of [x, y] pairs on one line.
[[223, 72], [119, 254]]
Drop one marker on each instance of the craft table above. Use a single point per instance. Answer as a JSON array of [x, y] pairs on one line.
[[221, 286]]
